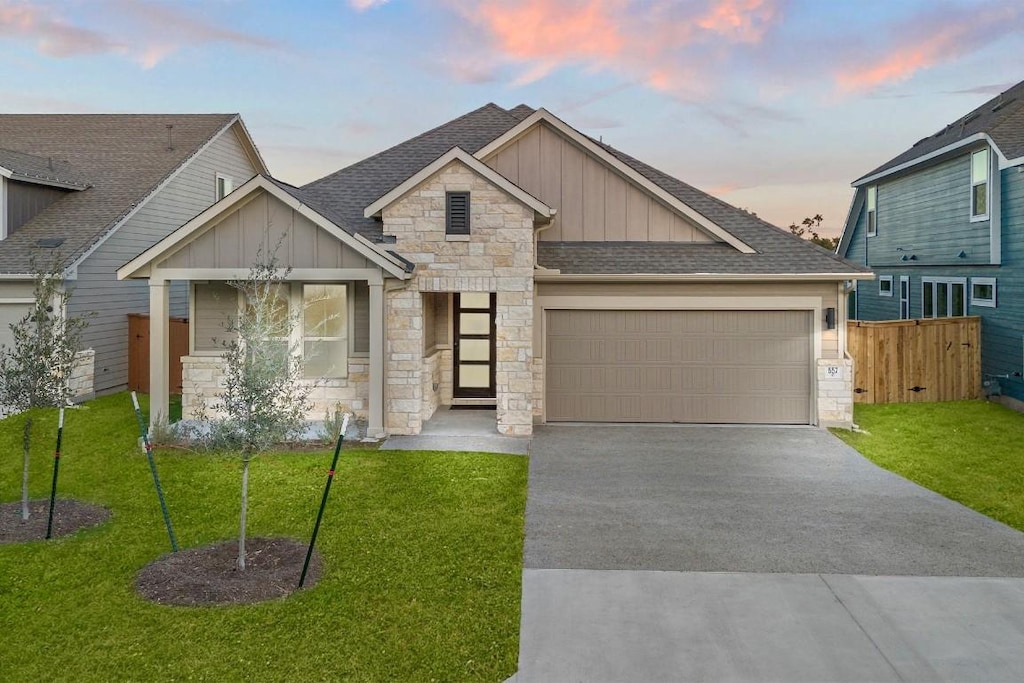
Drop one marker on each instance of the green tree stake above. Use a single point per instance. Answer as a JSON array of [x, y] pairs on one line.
[[152, 468], [56, 468], [323, 501]]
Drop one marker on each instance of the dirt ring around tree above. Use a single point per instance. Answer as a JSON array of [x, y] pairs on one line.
[[209, 575], [69, 516]]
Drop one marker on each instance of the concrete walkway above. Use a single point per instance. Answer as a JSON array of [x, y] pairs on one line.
[[686, 553], [462, 431]]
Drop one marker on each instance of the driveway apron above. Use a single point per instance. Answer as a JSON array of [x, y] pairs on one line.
[[678, 552]]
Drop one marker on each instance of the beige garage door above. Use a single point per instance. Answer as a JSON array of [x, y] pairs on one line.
[[679, 366]]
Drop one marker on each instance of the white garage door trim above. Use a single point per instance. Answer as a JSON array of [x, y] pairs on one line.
[[675, 303]]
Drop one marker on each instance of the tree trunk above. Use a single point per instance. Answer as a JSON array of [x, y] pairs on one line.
[[245, 505], [26, 442]]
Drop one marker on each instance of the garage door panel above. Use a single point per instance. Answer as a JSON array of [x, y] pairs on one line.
[[679, 366]]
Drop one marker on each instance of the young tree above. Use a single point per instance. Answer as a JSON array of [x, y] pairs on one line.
[[35, 371], [808, 230], [264, 400]]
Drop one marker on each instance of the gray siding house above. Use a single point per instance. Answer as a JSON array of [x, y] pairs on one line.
[[95, 190], [942, 225], [505, 259]]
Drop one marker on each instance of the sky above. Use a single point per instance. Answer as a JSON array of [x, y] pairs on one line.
[[772, 105]]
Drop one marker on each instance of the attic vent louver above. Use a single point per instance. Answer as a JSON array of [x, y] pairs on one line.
[[457, 213]]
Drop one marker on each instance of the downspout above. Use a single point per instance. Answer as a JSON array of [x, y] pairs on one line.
[[536, 236]]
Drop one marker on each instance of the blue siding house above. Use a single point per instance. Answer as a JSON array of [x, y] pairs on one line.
[[942, 226]]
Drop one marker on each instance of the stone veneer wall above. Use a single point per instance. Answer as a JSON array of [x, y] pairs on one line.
[[835, 392], [203, 378], [496, 257], [83, 373], [431, 378], [538, 390]]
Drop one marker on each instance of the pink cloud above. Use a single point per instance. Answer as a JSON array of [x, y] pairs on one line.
[[52, 35], [931, 39], [363, 5], [664, 44]]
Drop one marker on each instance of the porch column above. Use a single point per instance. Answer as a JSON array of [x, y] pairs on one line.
[[159, 352], [375, 428]]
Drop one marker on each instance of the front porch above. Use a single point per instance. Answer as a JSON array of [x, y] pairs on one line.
[[460, 429]]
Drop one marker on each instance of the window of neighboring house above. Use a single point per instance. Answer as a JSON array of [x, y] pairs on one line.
[[943, 297], [983, 291], [851, 303], [872, 211], [456, 213], [325, 330], [885, 285], [979, 185], [904, 297], [223, 185]]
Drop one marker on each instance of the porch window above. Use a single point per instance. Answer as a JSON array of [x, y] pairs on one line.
[[325, 330], [979, 185]]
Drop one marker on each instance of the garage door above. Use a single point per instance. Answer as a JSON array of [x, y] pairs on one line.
[[679, 366]]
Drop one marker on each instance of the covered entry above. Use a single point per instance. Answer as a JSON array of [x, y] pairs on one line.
[[725, 366]]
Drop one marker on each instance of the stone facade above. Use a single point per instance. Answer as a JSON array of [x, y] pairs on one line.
[[835, 392], [203, 378], [83, 373], [498, 256]]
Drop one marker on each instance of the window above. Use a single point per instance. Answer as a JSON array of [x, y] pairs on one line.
[[979, 185], [223, 185], [885, 285], [904, 297], [325, 330], [943, 297], [983, 291], [872, 211], [456, 213]]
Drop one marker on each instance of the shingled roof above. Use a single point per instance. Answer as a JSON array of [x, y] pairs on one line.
[[114, 160], [343, 195], [1001, 118]]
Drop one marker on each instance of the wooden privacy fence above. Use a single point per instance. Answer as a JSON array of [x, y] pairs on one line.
[[138, 352], [907, 361]]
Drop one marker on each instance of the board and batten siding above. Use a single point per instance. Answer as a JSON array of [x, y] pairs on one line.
[[826, 292], [594, 202], [97, 288], [262, 223]]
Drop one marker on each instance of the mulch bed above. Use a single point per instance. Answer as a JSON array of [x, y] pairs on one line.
[[209, 575], [68, 517]]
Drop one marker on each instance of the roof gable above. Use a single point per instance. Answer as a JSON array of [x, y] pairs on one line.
[[259, 213], [459, 155]]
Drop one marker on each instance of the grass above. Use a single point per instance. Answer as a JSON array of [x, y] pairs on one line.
[[423, 557], [969, 451]]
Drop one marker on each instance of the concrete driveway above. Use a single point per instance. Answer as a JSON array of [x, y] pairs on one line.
[[673, 553]]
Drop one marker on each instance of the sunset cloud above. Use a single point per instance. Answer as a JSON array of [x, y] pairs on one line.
[[148, 32], [933, 38], [363, 5], [669, 46]]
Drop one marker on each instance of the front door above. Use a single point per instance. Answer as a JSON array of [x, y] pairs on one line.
[[474, 345]]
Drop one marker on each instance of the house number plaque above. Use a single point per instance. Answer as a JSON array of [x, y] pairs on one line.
[[833, 372]]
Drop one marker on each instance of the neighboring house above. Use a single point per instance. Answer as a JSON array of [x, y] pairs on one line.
[[942, 225], [506, 259], [92, 191]]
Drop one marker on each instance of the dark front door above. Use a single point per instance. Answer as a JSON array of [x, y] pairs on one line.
[[474, 345]]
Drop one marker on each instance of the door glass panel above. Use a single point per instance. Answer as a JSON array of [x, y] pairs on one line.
[[941, 300], [474, 376], [474, 323], [958, 298], [475, 300], [475, 349]]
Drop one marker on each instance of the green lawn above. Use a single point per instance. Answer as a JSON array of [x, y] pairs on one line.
[[969, 451], [423, 557]]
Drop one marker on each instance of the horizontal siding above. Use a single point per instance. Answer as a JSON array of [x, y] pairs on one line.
[[927, 214], [1002, 328], [97, 289]]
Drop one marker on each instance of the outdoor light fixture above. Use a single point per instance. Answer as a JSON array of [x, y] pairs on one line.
[[830, 318]]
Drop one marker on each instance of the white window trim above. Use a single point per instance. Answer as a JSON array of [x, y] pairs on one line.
[[229, 185], [987, 303], [885, 279], [872, 210], [904, 300], [987, 183], [3, 208], [926, 281]]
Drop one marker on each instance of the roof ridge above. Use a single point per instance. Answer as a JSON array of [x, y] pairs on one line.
[[489, 105]]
